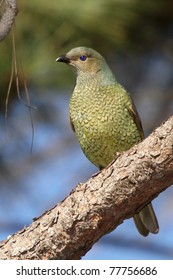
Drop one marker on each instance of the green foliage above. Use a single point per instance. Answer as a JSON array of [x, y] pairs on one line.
[[46, 29]]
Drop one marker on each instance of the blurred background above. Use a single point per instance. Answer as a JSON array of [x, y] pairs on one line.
[[136, 38]]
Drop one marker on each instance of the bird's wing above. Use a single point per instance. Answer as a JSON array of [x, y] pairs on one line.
[[71, 124], [133, 112]]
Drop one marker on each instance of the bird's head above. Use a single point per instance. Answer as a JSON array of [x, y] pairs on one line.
[[83, 60], [87, 62]]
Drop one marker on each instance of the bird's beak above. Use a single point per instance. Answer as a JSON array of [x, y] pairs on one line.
[[63, 58]]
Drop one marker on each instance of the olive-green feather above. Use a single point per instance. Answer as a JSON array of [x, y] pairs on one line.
[[104, 118]]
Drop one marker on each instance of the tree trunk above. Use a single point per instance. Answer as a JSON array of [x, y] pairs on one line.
[[7, 18], [98, 206]]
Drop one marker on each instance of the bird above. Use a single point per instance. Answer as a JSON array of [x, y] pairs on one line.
[[104, 118]]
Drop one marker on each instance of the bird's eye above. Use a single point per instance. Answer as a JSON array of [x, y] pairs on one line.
[[83, 57]]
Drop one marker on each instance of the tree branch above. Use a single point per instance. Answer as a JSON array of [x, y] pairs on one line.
[[98, 206], [7, 18]]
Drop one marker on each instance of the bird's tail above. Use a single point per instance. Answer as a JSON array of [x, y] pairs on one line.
[[146, 221]]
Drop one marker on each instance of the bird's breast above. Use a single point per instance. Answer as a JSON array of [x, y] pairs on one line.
[[101, 123]]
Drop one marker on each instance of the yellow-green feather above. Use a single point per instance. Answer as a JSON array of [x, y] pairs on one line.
[[102, 122], [104, 118]]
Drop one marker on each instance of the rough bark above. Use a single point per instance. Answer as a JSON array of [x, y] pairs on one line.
[[98, 206], [7, 19]]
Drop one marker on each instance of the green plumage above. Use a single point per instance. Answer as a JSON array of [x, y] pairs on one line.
[[104, 117], [102, 121]]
